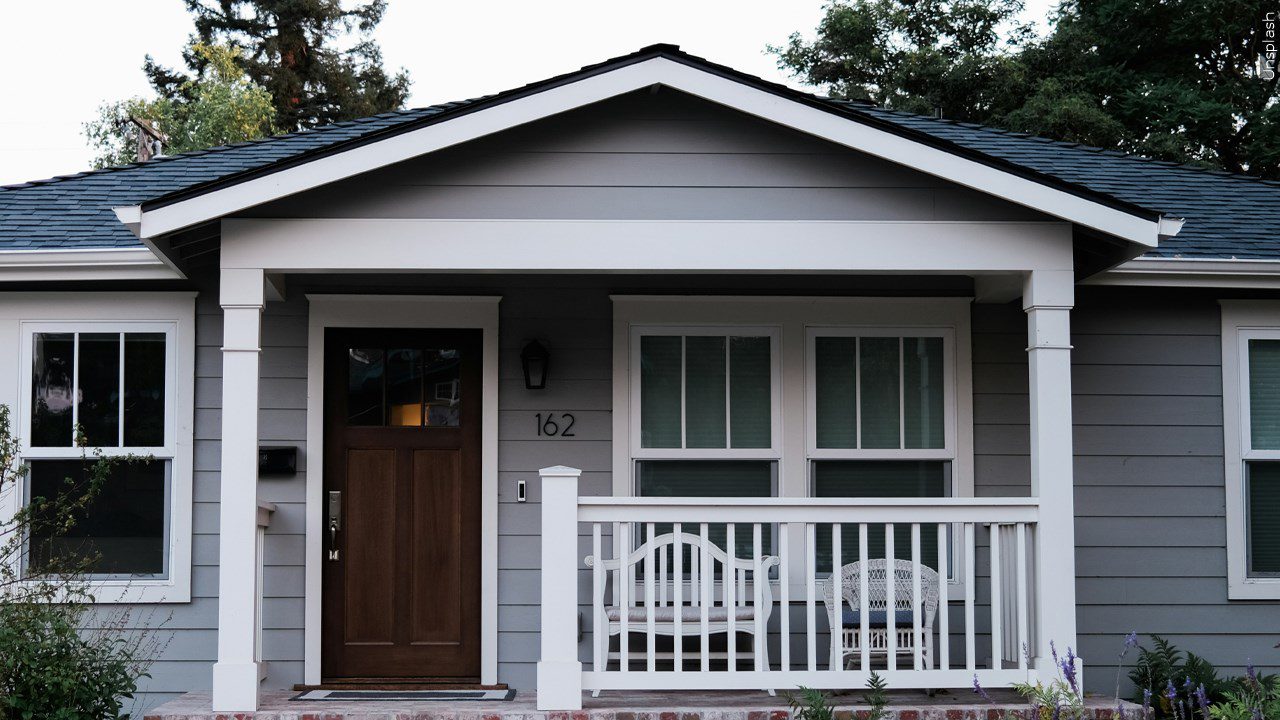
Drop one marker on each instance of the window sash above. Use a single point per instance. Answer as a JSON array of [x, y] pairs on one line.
[[166, 451], [949, 430], [771, 452]]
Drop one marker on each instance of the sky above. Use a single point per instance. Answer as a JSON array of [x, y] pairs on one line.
[[61, 59]]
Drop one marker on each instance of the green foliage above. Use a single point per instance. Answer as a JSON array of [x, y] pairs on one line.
[[220, 106], [1169, 80], [292, 52], [1254, 697], [877, 695], [810, 704], [1163, 665], [51, 664]]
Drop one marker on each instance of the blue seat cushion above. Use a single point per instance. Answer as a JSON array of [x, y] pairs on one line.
[[877, 619]]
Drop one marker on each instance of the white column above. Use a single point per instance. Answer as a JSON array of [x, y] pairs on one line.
[[1047, 298], [559, 671], [235, 675]]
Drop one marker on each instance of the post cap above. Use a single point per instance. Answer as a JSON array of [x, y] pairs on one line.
[[560, 471]]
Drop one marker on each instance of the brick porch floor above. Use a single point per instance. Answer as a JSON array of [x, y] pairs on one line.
[[903, 705]]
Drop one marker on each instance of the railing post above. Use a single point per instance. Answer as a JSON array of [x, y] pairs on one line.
[[559, 671], [1048, 298]]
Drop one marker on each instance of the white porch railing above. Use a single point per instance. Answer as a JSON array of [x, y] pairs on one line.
[[674, 584]]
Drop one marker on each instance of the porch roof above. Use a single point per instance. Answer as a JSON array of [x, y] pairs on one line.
[[1227, 216]]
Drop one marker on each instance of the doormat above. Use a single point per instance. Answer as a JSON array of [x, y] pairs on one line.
[[414, 695]]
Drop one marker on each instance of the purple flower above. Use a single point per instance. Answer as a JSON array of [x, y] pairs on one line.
[[1170, 691], [1251, 672], [1068, 666], [1202, 699], [981, 691], [1146, 703], [1257, 714], [1131, 640], [1120, 710]]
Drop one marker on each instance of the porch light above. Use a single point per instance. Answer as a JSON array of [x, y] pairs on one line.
[[534, 358]]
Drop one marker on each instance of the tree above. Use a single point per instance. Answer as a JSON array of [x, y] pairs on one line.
[[220, 106], [1172, 80], [291, 50]]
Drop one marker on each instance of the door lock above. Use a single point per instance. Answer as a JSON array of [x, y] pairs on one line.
[[335, 522]]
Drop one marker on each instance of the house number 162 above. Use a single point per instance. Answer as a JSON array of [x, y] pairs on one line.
[[548, 427]]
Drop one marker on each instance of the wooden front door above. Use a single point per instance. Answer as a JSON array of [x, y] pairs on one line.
[[402, 505]]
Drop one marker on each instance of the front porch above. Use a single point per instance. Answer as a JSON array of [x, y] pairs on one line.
[[903, 705]]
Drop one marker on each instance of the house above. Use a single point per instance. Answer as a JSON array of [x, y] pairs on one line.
[[400, 376]]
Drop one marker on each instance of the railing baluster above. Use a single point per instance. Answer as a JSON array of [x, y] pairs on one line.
[[1020, 580], [677, 576], [784, 606], [944, 607], [997, 590], [729, 579], [651, 636], [662, 575], [837, 601], [708, 578], [970, 583], [599, 622], [891, 599], [810, 565], [917, 637], [758, 582], [624, 603], [864, 600]]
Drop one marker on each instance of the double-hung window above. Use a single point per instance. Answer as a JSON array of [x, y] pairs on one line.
[[106, 375], [1251, 401], [708, 420], [881, 423]]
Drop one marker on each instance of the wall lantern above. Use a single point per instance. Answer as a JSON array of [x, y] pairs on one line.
[[535, 359]]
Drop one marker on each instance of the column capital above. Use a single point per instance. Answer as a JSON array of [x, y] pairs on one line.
[[242, 287], [1049, 289]]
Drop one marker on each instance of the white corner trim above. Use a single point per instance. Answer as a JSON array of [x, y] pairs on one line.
[[407, 311], [1241, 319], [1199, 272], [20, 312], [83, 264], [655, 71]]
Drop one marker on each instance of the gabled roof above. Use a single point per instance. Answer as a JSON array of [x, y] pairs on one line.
[[1227, 216]]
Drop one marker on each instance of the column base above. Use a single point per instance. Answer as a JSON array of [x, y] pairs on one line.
[[235, 687], [559, 686]]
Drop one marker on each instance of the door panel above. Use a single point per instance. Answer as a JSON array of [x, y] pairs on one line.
[[402, 445]]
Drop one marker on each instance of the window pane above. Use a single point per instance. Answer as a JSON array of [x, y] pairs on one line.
[[750, 381], [922, 392], [1264, 518], [879, 478], [99, 396], [1264, 394], [835, 381], [52, 360], [704, 411], [443, 387], [709, 478], [404, 387], [660, 368], [365, 368], [880, 396], [144, 378], [121, 532]]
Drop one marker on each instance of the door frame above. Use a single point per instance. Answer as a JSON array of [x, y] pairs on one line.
[[418, 312]]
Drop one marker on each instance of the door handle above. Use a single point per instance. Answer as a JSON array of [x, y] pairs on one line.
[[335, 522]]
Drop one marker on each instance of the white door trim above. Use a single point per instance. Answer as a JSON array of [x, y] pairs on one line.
[[408, 311]]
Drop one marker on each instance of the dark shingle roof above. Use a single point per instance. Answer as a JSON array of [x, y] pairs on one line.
[[1226, 215]]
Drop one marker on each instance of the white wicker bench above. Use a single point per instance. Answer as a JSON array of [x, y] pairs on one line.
[[850, 647]]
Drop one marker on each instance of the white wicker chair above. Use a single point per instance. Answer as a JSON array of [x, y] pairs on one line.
[[850, 648]]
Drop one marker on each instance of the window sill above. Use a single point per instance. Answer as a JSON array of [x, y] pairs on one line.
[[1254, 589], [141, 592]]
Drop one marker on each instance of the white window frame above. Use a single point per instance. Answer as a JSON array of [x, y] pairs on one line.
[[1242, 321], [794, 317], [22, 315]]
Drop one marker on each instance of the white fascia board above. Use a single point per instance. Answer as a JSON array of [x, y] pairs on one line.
[[1209, 272], [656, 71], [83, 264], [378, 245]]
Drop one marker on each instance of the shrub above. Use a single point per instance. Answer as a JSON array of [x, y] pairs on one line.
[[1166, 676]]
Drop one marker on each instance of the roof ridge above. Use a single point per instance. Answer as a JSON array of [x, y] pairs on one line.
[[216, 148], [871, 107]]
